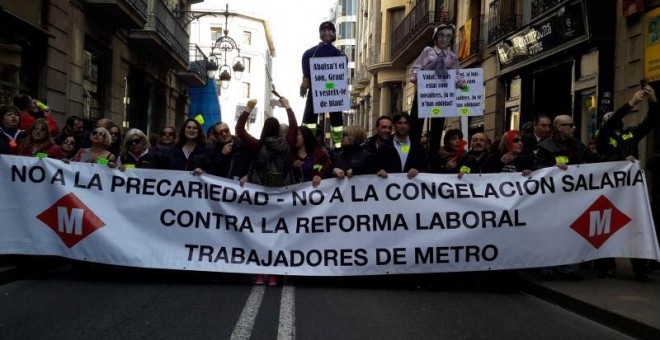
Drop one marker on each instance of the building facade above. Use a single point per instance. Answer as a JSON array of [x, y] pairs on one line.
[[577, 57], [253, 38], [127, 60]]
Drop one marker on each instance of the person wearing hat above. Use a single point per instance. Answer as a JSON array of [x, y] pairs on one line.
[[327, 34], [616, 143], [440, 58]]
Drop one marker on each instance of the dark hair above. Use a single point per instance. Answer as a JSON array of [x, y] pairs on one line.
[[400, 115], [271, 128], [72, 120], [308, 140], [22, 101], [381, 118], [449, 135], [540, 116], [201, 138]]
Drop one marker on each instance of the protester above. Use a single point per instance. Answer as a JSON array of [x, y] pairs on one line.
[[401, 154], [311, 163], [74, 127], [69, 148], [325, 48], [479, 160], [136, 152], [511, 151], [32, 109], [450, 155], [10, 134], [38, 142], [352, 159], [166, 138], [561, 150], [273, 160], [383, 134], [190, 143], [616, 143], [115, 136], [542, 129], [226, 157], [98, 150]]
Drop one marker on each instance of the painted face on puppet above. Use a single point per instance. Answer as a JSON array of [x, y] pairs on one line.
[[443, 38]]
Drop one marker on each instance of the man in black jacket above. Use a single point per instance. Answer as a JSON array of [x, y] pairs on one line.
[[226, 157], [401, 154], [562, 150], [616, 143]]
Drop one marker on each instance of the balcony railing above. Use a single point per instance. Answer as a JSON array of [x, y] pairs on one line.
[[540, 6], [470, 42], [198, 60], [379, 54], [414, 23], [140, 6], [168, 28], [503, 19]]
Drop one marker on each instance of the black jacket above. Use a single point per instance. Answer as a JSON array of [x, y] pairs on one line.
[[234, 165], [613, 146], [552, 150], [387, 158]]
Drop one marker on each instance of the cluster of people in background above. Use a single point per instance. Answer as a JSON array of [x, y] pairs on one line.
[[289, 154]]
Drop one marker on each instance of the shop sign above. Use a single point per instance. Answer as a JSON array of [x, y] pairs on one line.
[[536, 41], [652, 45]]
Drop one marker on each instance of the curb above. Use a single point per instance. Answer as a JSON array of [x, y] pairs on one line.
[[607, 318]]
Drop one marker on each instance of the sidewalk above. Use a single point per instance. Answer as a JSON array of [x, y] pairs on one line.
[[619, 302]]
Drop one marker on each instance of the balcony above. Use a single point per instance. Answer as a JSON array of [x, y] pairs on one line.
[[541, 6], [380, 57], [360, 80], [195, 75], [162, 35], [414, 32], [131, 14], [469, 39], [503, 19]]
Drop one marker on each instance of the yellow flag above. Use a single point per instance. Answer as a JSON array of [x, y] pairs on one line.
[[199, 119]]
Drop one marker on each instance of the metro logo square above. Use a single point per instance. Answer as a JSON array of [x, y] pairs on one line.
[[600, 221], [70, 219]]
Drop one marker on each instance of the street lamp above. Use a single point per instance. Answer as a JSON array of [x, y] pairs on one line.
[[221, 48]]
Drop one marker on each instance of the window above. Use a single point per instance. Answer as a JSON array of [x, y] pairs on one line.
[[92, 87], [245, 90], [247, 38], [248, 64], [216, 33], [346, 30]]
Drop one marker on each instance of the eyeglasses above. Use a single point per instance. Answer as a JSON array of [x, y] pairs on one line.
[[114, 133], [98, 133], [571, 124], [517, 140], [135, 142], [167, 133], [69, 142], [38, 129]]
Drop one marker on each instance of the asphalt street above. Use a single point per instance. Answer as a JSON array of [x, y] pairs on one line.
[[123, 303]]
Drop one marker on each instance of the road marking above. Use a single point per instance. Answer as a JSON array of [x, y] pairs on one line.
[[287, 326], [245, 322]]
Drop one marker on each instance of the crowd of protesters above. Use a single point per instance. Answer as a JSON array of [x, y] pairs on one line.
[[286, 154]]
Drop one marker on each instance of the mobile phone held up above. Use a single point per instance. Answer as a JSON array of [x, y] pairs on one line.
[[642, 83]]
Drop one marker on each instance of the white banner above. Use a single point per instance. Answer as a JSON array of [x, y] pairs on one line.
[[364, 225], [439, 97], [329, 79]]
